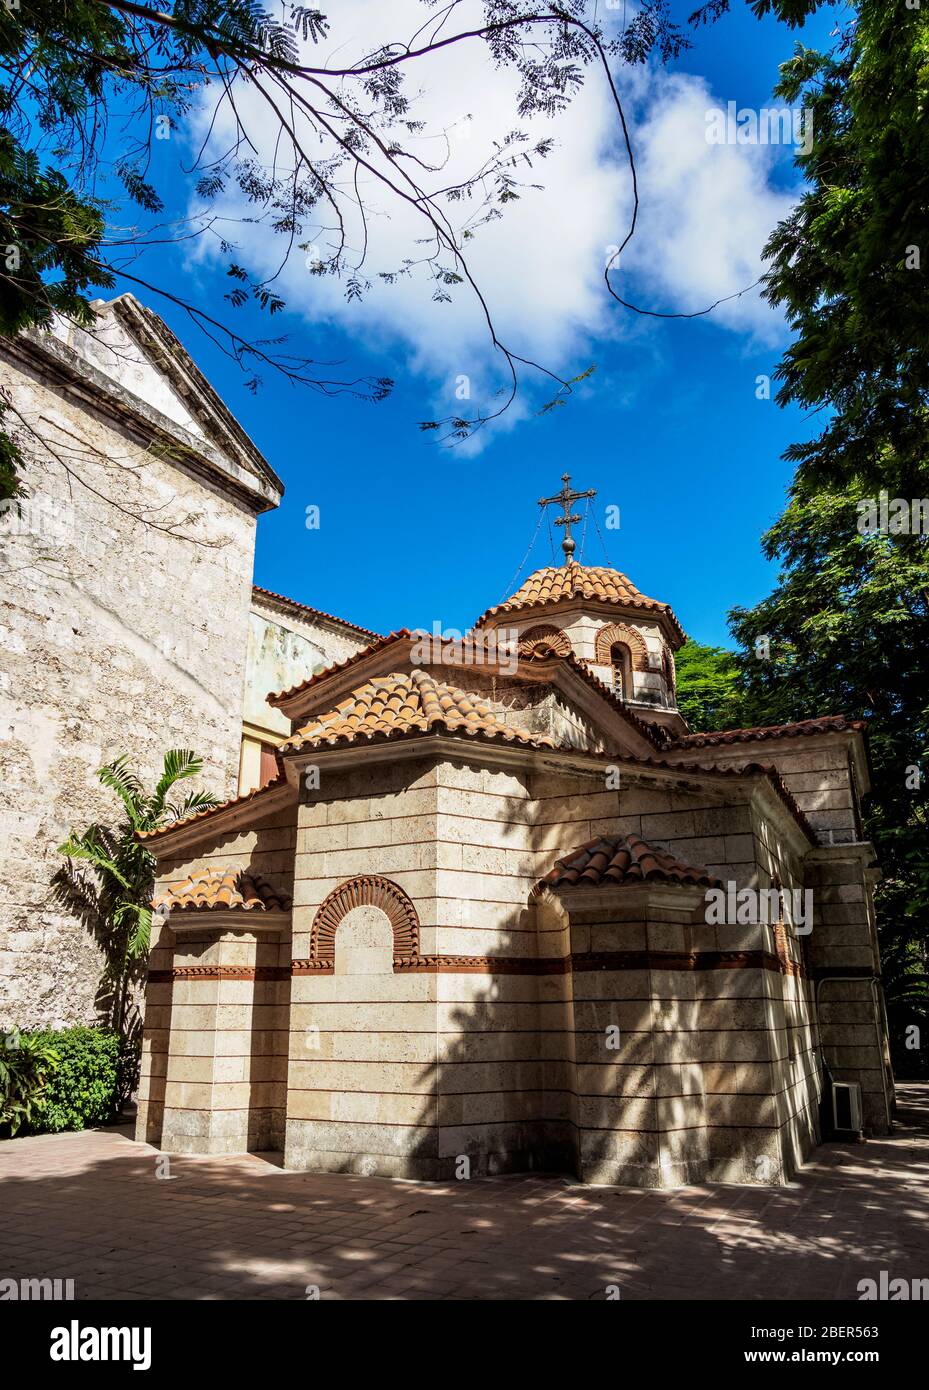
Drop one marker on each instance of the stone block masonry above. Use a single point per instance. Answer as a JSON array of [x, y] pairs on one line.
[[125, 616]]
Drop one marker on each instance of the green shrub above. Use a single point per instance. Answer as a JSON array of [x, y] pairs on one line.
[[86, 1084], [26, 1062]]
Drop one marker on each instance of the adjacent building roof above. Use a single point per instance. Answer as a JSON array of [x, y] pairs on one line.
[[304, 609], [222, 889], [217, 443], [405, 703], [575, 581], [827, 724], [622, 860]]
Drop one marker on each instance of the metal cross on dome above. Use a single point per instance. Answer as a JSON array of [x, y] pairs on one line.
[[563, 499]]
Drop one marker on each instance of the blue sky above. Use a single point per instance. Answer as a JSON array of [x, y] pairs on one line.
[[668, 427]]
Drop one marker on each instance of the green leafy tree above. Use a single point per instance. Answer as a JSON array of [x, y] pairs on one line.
[[847, 622], [848, 265], [848, 628], [709, 687], [113, 893]]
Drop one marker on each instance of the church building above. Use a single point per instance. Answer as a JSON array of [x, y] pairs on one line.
[[466, 906], [495, 908]]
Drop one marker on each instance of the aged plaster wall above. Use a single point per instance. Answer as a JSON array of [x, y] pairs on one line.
[[283, 650], [285, 646], [117, 637]]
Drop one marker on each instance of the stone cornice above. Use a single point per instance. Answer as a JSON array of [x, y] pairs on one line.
[[206, 405], [216, 920], [646, 612], [59, 364], [242, 812]]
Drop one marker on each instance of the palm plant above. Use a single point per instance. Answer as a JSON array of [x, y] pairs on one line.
[[113, 895]]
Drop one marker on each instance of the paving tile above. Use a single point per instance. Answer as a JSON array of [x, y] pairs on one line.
[[85, 1207]]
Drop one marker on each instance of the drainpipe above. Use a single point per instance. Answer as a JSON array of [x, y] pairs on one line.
[[873, 981]]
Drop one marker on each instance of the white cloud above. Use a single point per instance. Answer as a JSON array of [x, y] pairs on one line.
[[706, 211]]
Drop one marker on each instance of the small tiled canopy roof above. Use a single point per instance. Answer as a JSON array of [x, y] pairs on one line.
[[622, 859], [404, 704], [575, 581], [222, 889]]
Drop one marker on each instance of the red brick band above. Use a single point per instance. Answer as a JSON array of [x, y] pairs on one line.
[[219, 972], [577, 963]]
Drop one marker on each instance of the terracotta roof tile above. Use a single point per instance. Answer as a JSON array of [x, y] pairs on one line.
[[314, 612], [279, 781], [222, 889], [404, 704], [827, 724], [575, 581], [622, 860], [277, 696]]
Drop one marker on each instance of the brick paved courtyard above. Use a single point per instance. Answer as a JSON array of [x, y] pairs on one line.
[[90, 1207]]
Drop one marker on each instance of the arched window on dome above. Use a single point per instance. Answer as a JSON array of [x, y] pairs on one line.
[[621, 667]]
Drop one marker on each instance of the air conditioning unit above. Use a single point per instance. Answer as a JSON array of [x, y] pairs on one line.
[[846, 1107]]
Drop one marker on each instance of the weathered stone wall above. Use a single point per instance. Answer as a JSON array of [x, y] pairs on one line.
[[127, 584]]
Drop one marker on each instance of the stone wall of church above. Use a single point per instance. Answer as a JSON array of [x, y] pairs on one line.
[[214, 1056], [363, 1043], [715, 1074], [489, 1048], [841, 953], [123, 632], [456, 1059]]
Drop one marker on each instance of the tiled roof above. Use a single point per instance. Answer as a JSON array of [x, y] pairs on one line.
[[400, 635], [407, 703], [222, 889], [827, 724], [576, 581], [314, 612], [621, 860], [279, 781]]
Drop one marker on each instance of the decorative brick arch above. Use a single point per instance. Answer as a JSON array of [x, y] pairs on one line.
[[369, 890], [543, 638], [621, 632]]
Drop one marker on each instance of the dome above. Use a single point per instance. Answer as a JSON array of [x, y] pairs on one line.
[[573, 583]]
